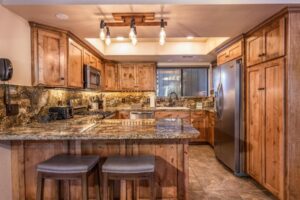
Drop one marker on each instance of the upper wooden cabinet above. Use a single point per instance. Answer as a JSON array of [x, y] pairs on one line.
[[58, 57], [230, 53], [267, 43], [75, 65], [90, 59], [127, 76], [49, 58], [146, 76], [111, 77], [137, 76]]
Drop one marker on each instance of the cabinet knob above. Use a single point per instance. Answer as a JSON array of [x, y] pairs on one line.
[[62, 78]]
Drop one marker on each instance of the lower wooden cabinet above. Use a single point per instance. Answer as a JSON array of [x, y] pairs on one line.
[[185, 115], [49, 57], [265, 125]]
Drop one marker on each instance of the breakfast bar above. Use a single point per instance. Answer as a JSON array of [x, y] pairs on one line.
[[167, 139]]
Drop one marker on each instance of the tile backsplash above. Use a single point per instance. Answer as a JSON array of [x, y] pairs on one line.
[[35, 101]]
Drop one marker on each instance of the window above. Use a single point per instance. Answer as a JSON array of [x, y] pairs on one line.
[[183, 81]]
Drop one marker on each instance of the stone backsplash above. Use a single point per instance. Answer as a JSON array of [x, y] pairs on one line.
[[35, 101]]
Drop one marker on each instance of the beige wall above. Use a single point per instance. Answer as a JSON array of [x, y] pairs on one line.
[[5, 171], [15, 45]]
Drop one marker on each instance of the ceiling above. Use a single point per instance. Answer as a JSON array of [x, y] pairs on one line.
[[200, 21], [183, 20]]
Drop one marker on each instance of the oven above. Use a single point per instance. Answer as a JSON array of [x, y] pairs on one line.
[[92, 77]]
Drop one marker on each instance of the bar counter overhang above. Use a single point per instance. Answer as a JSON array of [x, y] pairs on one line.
[[167, 139]]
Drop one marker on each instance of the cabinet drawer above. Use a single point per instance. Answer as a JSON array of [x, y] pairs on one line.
[[173, 114]]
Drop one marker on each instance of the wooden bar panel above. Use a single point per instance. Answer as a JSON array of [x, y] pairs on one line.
[[171, 167]]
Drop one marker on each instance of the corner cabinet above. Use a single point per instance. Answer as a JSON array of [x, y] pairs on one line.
[[49, 57], [265, 124]]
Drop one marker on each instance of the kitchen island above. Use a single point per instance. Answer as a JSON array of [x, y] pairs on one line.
[[167, 139]]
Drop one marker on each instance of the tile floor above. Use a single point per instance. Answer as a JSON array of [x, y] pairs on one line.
[[210, 180]]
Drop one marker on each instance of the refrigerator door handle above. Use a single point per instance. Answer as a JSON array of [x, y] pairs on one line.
[[219, 101]]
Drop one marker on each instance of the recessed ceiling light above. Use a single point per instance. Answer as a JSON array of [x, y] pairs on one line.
[[190, 37], [120, 38], [62, 16]]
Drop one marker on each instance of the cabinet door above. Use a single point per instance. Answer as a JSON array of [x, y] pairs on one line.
[[93, 61], [127, 77], [86, 57], [274, 36], [52, 58], [145, 77], [75, 65], [255, 112], [273, 140], [254, 48], [111, 76], [222, 57]]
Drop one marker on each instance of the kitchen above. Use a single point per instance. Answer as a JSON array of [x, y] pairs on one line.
[[201, 106]]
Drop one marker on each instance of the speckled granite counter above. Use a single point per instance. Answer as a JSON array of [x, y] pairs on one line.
[[93, 128], [160, 109]]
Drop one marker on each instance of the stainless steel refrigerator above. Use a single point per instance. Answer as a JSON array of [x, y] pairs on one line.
[[229, 137]]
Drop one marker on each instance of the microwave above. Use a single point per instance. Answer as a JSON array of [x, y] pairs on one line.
[[92, 77]]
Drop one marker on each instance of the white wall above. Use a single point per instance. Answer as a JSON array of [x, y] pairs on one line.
[[15, 45]]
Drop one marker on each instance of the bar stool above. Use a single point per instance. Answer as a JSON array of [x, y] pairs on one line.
[[129, 168], [68, 167]]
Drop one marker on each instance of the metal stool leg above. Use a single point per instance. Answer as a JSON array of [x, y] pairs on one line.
[[40, 187]]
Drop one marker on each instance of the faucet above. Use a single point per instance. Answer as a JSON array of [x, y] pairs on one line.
[[172, 97]]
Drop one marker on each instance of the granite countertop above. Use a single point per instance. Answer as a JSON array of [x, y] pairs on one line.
[[93, 128], [160, 109]]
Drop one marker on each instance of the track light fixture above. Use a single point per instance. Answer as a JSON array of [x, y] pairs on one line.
[[107, 39], [102, 31], [133, 20]]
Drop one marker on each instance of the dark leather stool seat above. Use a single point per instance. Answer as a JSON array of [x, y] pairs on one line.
[[69, 167], [132, 164], [68, 164], [129, 168]]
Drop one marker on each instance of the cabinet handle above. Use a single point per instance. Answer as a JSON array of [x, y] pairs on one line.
[[260, 88], [261, 55], [62, 78]]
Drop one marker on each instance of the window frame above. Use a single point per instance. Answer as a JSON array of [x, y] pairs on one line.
[[181, 78]]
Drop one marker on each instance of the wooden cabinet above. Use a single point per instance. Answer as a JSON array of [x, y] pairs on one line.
[[211, 128], [123, 115], [146, 76], [127, 76], [75, 65], [111, 77], [49, 57], [185, 115], [265, 112], [137, 76], [232, 52], [89, 59], [266, 44], [199, 121]]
